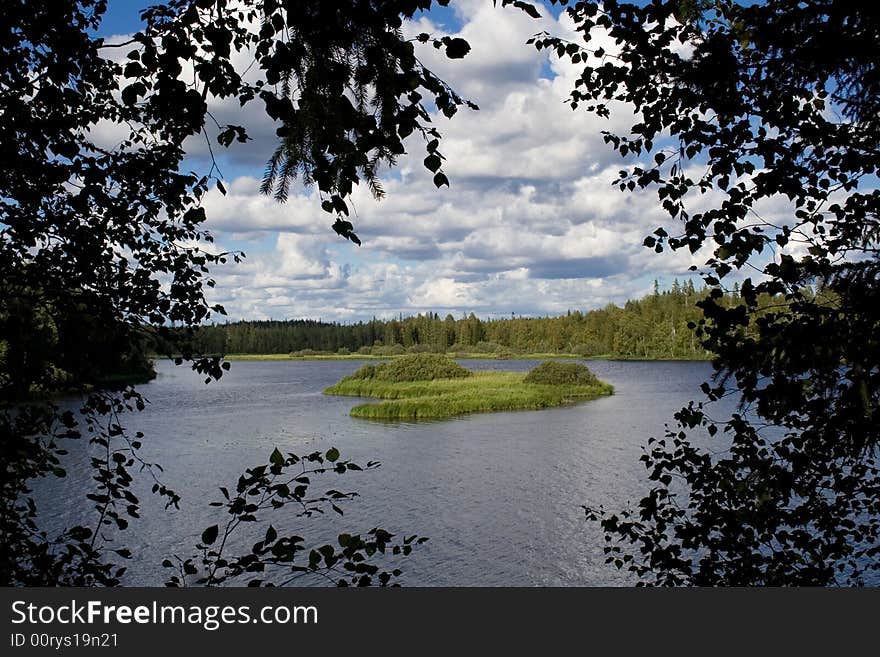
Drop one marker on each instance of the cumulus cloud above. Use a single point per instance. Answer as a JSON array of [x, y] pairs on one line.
[[531, 223]]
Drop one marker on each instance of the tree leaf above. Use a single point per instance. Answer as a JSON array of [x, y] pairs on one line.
[[210, 535], [432, 162], [456, 48]]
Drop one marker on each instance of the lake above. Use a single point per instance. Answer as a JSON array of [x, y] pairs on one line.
[[499, 494]]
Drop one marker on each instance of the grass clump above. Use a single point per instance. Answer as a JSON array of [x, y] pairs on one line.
[[416, 367], [557, 374]]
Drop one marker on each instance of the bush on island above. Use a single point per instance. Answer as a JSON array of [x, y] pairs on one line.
[[555, 373], [389, 350], [414, 367]]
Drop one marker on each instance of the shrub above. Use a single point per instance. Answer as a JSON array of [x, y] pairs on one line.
[[423, 349], [422, 367], [586, 349], [304, 352], [388, 350], [483, 347], [554, 373], [365, 372], [415, 367]]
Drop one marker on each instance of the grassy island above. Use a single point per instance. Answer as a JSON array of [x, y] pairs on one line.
[[429, 386]]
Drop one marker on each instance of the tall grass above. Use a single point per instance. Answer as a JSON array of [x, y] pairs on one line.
[[442, 398]]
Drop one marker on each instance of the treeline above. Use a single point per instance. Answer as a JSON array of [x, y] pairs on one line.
[[42, 333], [653, 327]]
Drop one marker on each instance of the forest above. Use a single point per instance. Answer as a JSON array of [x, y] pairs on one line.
[[658, 326]]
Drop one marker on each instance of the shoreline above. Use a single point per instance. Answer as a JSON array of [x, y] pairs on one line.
[[456, 356]]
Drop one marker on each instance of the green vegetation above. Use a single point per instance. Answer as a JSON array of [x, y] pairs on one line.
[[655, 327], [477, 392], [46, 347], [324, 355], [416, 367], [562, 374]]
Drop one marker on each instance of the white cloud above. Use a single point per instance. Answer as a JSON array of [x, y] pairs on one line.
[[531, 223], [443, 292]]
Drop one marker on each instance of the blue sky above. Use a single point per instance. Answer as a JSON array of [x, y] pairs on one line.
[[530, 223]]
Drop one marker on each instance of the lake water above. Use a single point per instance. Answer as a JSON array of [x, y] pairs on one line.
[[498, 494]]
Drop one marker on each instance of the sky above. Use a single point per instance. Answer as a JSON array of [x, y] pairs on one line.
[[530, 224]]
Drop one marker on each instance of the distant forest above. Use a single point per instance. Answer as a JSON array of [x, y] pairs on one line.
[[654, 327]]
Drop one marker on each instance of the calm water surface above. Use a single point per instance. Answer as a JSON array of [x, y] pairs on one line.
[[499, 494]]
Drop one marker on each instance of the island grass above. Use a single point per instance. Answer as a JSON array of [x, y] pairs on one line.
[[444, 398]]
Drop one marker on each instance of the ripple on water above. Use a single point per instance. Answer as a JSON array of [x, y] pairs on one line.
[[498, 494]]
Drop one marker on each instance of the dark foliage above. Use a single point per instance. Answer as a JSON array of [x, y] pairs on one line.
[[87, 234], [766, 101], [562, 374], [102, 246], [283, 483]]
